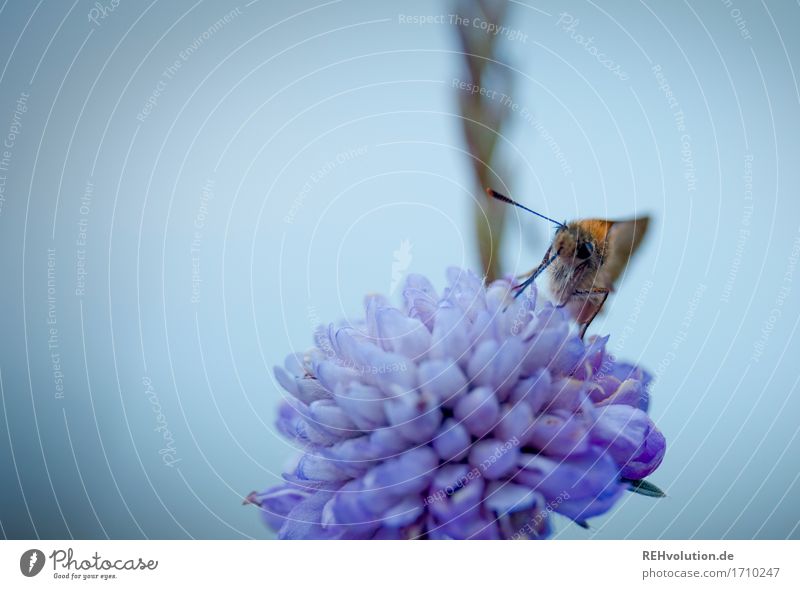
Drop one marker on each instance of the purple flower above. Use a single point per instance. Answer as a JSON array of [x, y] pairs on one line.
[[467, 415]]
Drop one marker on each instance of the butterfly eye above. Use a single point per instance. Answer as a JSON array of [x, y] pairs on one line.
[[584, 251]]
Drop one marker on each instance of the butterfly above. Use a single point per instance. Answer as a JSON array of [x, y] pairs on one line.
[[585, 260]]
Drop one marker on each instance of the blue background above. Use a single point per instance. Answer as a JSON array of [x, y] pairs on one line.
[[343, 117]]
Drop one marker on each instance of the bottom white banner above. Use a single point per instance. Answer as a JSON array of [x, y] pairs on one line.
[[162, 563]]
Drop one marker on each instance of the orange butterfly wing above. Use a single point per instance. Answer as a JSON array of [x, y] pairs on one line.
[[623, 239]]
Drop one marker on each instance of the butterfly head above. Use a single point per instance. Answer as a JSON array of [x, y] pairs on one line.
[[575, 246]]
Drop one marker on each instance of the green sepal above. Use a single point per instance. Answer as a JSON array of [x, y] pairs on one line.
[[643, 487]]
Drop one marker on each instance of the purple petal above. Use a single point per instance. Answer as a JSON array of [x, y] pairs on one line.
[[478, 411], [482, 329], [288, 382], [303, 522], [455, 491], [328, 414], [416, 416], [450, 341], [293, 425], [542, 349], [568, 394], [402, 335], [276, 503], [453, 442], [568, 356], [515, 422], [354, 504], [496, 366], [312, 467], [559, 435], [363, 404], [587, 485], [409, 473], [388, 442], [595, 356], [442, 380], [354, 456], [310, 389], [534, 390], [331, 375], [386, 370], [631, 439], [373, 303], [494, 458], [465, 292], [630, 392], [503, 498], [421, 299], [404, 513]]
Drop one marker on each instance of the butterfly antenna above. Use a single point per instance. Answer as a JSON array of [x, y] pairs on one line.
[[505, 199]]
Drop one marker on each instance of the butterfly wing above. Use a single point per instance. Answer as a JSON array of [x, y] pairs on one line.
[[624, 238]]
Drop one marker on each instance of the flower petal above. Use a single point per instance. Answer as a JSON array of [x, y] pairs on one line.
[[504, 498], [494, 458], [559, 434], [631, 439], [442, 380], [453, 442], [402, 335], [421, 299], [465, 292], [478, 411], [515, 422], [416, 416], [363, 404], [276, 503], [450, 336], [496, 366], [630, 392]]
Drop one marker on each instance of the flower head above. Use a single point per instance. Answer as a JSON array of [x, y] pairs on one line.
[[467, 415]]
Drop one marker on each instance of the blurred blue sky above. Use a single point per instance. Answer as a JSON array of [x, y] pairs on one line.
[[228, 174]]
